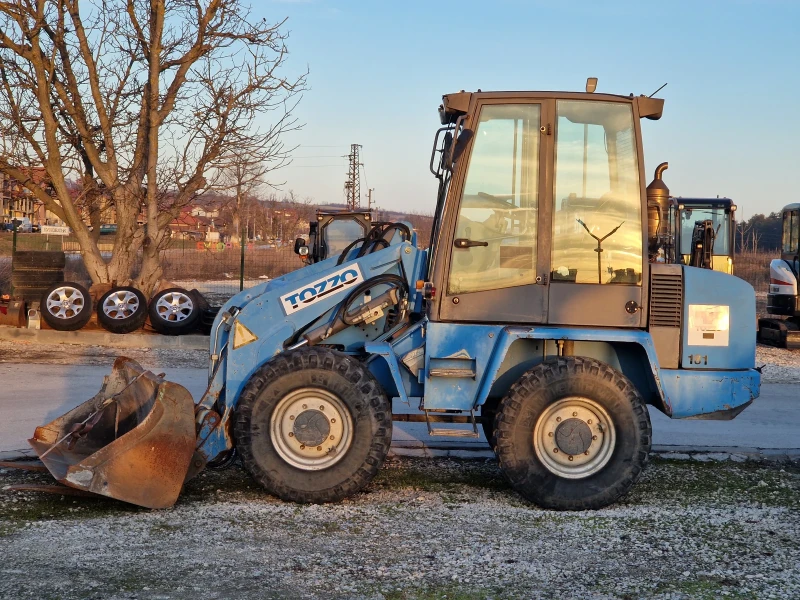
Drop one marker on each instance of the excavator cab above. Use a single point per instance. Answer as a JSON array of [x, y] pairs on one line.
[[332, 232], [704, 232]]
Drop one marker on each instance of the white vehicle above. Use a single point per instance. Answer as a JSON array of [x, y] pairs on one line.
[[24, 225], [782, 298]]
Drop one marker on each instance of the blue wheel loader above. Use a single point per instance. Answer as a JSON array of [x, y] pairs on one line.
[[535, 314]]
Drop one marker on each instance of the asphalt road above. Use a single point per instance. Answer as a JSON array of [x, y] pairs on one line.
[[34, 394]]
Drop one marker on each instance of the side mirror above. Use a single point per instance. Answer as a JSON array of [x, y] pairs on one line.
[[460, 145], [298, 244]]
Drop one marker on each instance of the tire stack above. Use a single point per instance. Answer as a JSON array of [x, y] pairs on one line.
[[34, 272]]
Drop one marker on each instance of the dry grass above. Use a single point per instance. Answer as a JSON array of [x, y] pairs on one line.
[[753, 267]]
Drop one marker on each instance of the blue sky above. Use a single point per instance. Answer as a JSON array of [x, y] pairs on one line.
[[731, 123]]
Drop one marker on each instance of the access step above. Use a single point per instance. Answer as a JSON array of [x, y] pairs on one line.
[[452, 432], [461, 433], [456, 373]]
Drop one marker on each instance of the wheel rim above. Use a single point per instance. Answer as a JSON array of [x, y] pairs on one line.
[[65, 302], [120, 304], [574, 437], [174, 307], [311, 429]]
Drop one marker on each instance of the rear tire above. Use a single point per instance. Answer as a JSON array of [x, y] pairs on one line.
[[122, 310], [488, 414], [66, 306], [573, 434], [294, 402]]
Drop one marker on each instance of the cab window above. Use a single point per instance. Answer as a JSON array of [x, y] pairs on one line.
[[597, 218], [339, 233], [495, 245], [791, 231], [720, 222]]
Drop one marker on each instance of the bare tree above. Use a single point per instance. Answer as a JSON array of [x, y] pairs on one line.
[[138, 100], [242, 172]]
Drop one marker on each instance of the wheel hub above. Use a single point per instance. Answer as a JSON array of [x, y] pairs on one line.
[[121, 305], [311, 428], [574, 437], [64, 302]]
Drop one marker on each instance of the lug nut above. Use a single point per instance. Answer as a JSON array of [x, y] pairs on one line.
[[558, 419], [333, 420], [575, 414], [589, 421], [331, 437], [594, 437], [319, 448], [291, 434], [555, 450], [550, 434], [321, 407], [291, 417], [302, 446], [305, 406], [570, 458], [586, 453]]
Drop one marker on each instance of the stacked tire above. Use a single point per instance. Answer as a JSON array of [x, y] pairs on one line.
[[33, 273]]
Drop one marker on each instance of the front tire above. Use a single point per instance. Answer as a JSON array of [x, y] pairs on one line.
[[313, 425], [572, 434]]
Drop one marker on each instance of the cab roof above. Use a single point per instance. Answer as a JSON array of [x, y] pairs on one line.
[[724, 202], [458, 103]]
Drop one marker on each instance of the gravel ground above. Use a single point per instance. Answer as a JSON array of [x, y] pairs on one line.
[[74, 354], [424, 529], [781, 365], [429, 528]]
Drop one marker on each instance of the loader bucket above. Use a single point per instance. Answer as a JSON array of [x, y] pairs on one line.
[[133, 441]]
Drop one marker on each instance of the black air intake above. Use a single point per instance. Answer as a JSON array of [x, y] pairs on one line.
[[666, 298]]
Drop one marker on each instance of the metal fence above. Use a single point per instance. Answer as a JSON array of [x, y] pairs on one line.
[[214, 268], [753, 267], [211, 267]]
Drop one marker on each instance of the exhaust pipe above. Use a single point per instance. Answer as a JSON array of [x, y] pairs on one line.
[[657, 210]]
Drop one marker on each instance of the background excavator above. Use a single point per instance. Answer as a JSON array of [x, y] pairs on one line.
[[782, 298]]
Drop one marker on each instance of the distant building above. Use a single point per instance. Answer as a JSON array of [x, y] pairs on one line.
[[18, 202], [197, 223]]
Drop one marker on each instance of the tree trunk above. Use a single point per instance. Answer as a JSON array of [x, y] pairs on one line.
[[151, 272]]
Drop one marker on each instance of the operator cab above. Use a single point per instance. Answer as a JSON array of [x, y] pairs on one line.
[[332, 232], [790, 240], [540, 211], [704, 232]]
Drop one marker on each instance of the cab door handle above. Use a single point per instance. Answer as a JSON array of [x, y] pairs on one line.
[[465, 243]]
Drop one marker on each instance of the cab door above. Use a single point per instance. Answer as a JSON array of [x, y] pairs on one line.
[[497, 259], [597, 260]]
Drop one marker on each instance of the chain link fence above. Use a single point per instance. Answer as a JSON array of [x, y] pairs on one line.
[[214, 267]]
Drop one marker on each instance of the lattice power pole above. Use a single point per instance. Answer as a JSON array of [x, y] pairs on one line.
[[352, 186]]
